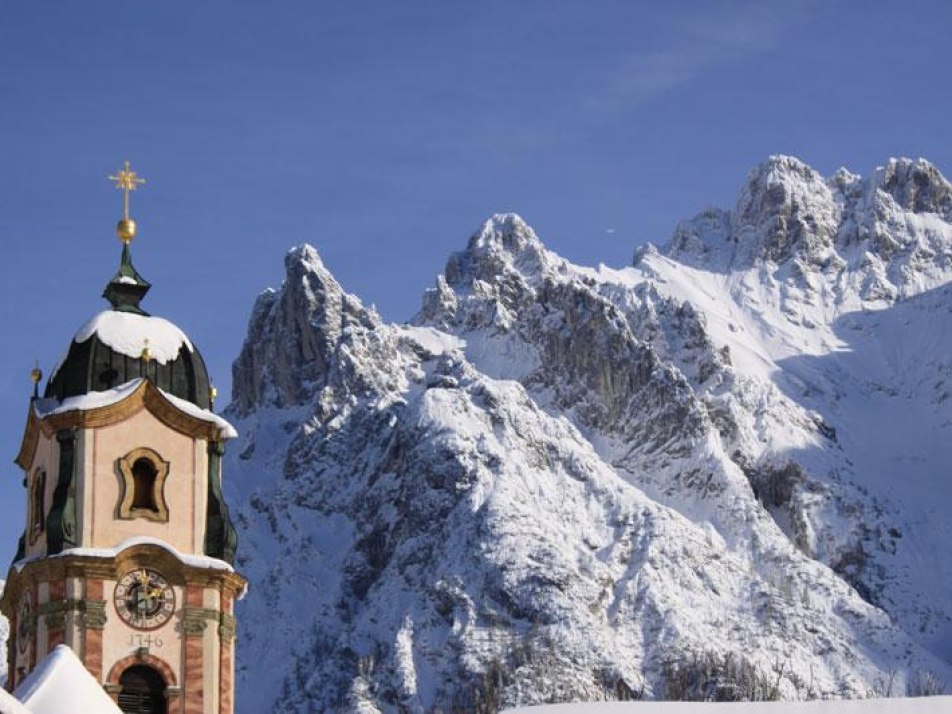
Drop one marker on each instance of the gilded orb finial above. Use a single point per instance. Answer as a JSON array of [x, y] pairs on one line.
[[146, 354], [36, 375], [126, 181]]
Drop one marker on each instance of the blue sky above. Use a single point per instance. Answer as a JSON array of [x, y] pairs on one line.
[[385, 132]]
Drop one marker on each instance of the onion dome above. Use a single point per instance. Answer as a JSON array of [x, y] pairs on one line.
[[125, 342], [117, 346]]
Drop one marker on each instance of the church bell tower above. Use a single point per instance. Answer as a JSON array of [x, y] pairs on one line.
[[127, 550]]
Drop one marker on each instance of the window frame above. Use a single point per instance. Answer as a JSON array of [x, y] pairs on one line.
[[161, 467]]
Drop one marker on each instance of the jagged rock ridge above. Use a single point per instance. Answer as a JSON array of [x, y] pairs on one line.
[[877, 239], [565, 483]]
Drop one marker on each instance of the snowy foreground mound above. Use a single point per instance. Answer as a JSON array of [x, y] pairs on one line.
[[719, 473], [920, 705], [4, 633]]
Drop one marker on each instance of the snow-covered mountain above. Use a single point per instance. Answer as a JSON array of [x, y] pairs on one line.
[[720, 471]]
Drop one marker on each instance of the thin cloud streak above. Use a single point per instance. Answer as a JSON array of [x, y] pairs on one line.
[[628, 78], [702, 43]]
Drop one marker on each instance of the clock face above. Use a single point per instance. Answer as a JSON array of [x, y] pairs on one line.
[[24, 622], [144, 599]]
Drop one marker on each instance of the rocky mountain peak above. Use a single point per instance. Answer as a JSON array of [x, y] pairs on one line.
[[585, 483], [293, 334], [916, 186], [786, 209], [502, 267], [782, 168], [868, 241], [305, 257], [503, 242], [504, 231]]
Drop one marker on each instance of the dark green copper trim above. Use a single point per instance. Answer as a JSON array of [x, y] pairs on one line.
[[221, 538], [61, 521]]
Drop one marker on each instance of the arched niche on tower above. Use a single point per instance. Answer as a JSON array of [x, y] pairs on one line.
[[37, 505], [143, 472]]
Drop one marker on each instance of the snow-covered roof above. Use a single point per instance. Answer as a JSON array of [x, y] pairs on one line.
[[198, 561], [96, 400], [60, 684], [127, 332], [9, 705], [92, 400], [227, 430]]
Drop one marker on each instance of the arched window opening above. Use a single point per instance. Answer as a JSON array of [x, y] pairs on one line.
[[144, 474], [37, 504], [143, 691]]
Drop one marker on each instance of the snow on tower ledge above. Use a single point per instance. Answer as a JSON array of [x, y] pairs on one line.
[[195, 561], [95, 400]]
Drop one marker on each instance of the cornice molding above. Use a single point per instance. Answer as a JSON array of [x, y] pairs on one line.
[[146, 396], [90, 567]]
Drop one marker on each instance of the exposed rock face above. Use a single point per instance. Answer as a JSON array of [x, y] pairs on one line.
[[293, 335], [513, 298], [564, 483], [878, 239], [916, 186], [786, 210]]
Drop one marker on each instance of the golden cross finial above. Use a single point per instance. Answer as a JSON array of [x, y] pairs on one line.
[[126, 181]]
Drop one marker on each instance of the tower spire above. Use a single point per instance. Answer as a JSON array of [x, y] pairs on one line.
[[127, 287]]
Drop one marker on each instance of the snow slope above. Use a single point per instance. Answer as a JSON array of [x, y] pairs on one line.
[[877, 379], [857, 332], [912, 705], [711, 474], [9, 705]]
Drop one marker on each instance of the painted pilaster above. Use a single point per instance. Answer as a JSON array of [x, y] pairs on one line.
[[54, 614], [199, 500], [93, 620], [85, 446], [193, 629], [226, 638]]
